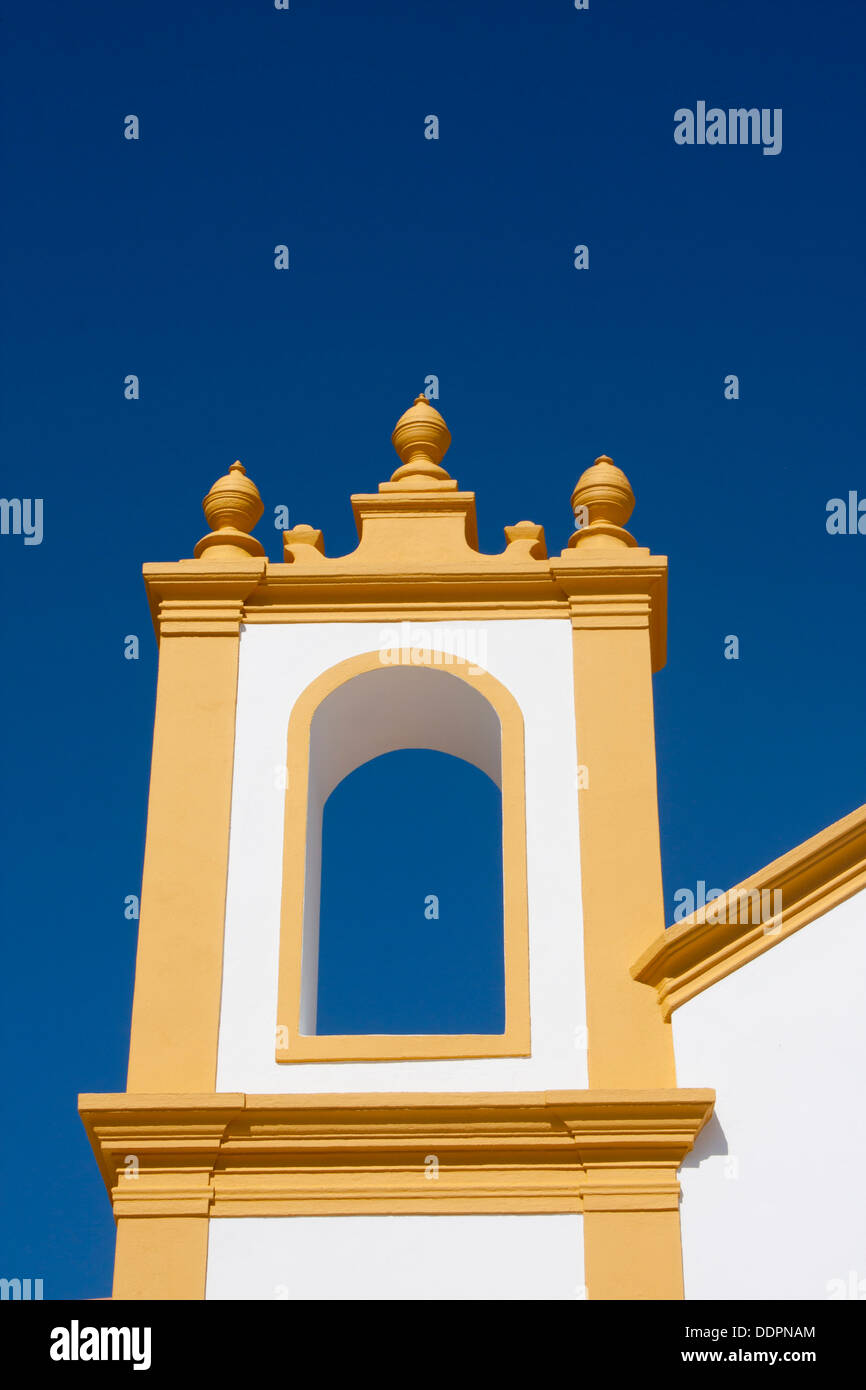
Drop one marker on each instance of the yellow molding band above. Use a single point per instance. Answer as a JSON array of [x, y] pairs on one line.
[[466, 609], [402, 586], [812, 878], [612, 1155], [294, 1046]]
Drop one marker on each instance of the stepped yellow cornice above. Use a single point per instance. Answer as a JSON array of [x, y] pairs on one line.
[[276, 1155], [811, 878]]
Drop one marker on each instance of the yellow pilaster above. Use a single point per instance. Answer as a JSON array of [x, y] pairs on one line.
[[617, 593], [161, 1257], [629, 1045], [632, 1255], [178, 973]]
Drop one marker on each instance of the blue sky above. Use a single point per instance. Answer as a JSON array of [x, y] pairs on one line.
[[408, 257]]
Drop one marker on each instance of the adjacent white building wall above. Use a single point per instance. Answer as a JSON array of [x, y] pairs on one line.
[[533, 659], [773, 1197], [396, 1257]]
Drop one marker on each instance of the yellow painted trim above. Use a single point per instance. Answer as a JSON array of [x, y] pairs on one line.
[[489, 588], [164, 1257], [617, 612], [812, 878], [178, 973], [612, 1155], [515, 1041], [633, 1255], [463, 606]]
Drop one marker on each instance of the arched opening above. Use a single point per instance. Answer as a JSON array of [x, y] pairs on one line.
[[377, 713], [354, 719], [411, 916]]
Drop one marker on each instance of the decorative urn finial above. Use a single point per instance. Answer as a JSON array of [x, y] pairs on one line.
[[232, 508], [602, 503], [421, 438]]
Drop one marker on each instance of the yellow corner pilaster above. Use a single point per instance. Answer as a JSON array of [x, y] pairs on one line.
[[632, 1255], [178, 973], [617, 609], [620, 851], [163, 1257]]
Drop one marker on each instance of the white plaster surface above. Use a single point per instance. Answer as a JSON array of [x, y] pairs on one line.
[[773, 1197], [396, 1257]]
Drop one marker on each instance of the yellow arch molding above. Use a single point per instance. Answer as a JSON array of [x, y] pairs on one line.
[[294, 1046]]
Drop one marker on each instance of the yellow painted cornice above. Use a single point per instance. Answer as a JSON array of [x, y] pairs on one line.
[[616, 588], [812, 878], [590, 591], [274, 1155], [595, 589], [417, 556], [201, 597]]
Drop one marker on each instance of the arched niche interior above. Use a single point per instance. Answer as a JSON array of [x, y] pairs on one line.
[[418, 797]]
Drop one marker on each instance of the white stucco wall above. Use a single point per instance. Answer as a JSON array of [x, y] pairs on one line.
[[396, 1257], [533, 659], [773, 1197]]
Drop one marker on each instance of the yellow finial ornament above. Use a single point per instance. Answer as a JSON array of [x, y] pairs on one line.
[[421, 438], [602, 503], [232, 508]]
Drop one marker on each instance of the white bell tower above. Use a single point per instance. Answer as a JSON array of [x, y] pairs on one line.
[[273, 1161]]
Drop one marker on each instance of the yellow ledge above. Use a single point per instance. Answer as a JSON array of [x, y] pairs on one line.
[[811, 879], [401, 585], [276, 1155]]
